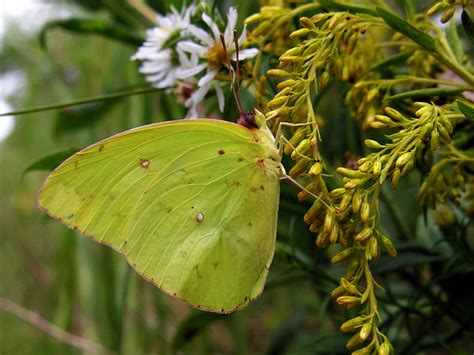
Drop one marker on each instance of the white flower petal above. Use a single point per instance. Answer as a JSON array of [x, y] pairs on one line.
[[243, 36], [183, 59], [212, 25], [245, 54], [186, 73], [191, 47], [229, 29], [220, 96], [201, 35], [200, 93], [211, 74]]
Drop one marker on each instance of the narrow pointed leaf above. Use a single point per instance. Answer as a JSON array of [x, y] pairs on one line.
[[455, 42], [49, 161], [423, 93], [396, 59], [93, 26], [466, 109], [337, 6], [402, 26], [468, 25], [73, 118]]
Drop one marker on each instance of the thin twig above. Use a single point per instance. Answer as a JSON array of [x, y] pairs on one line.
[[45, 326]]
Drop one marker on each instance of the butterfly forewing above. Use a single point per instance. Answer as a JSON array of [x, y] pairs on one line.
[[192, 204]]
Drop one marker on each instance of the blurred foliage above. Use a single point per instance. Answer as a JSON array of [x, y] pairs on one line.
[[88, 290]]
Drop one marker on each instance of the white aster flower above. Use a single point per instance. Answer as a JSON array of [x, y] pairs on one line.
[[210, 48], [160, 63]]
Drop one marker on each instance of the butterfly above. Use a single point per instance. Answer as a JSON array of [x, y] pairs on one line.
[[192, 205]]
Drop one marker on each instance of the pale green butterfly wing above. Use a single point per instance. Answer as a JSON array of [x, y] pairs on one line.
[[192, 204]]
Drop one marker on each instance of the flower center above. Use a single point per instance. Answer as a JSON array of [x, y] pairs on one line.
[[216, 56]]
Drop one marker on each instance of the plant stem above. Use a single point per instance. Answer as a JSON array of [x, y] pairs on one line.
[[132, 92], [51, 329]]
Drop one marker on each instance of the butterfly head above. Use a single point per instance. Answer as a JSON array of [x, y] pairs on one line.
[[252, 119]]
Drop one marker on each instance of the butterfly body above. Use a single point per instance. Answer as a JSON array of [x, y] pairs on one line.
[[192, 204]]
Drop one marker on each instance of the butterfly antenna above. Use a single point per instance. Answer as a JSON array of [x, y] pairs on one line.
[[232, 75], [236, 43]]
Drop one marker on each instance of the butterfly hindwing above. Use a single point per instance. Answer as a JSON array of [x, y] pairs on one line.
[[192, 204]]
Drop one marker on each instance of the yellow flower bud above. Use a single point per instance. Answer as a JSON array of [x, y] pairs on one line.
[[434, 143], [350, 173], [322, 241], [356, 201], [387, 243], [373, 144], [394, 114], [329, 220], [299, 33], [365, 331], [351, 324], [342, 256], [353, 341], [377, 167], [295, 140], [395, 178], [448, 15], [404, 158], [348, 300], [278, 73], [364, 234], [365, 211], [313, 212], [316, 169], [300, 166]]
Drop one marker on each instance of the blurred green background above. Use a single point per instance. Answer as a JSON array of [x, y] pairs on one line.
[[88, 290]]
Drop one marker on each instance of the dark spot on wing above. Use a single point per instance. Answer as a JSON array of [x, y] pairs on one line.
[[221, 151], [144, 163], [246, 298], [168, 209], [215, 264], [101, 147], [261, 163], [262, 188], [249, 224], [240, 159], [70, 216], [222, 310], [253, 189], [237, 183]]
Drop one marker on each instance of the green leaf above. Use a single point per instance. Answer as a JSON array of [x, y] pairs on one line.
[[73, 118], [410, 9], [402, 26], [336, 6], [466, 109], [192, 327], [455, 42], [399, 58], [468, 25], [426, 93], [49, 161], [93, 26]]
